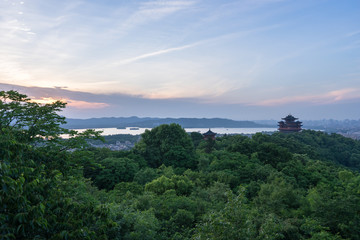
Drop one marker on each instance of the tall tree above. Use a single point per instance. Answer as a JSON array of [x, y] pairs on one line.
[[34, 200], [169, 145]]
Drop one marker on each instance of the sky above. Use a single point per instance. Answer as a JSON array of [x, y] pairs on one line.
[[238, 59]]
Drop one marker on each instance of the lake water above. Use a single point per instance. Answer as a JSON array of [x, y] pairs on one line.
[[137, 131]]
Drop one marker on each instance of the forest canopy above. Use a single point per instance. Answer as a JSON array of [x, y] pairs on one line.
[[172, 185]]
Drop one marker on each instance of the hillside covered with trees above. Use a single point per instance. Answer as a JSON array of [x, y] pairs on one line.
[[172, 185]]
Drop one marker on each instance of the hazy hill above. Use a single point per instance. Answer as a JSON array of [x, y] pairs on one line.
[[121, 122]]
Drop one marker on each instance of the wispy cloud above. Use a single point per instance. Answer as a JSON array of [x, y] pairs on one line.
[[153, 54], [351, 34], [201, 42], [155, 10], [326, 98]]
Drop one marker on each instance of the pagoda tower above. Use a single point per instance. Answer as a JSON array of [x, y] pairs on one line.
[[209, 135], [289, 124]]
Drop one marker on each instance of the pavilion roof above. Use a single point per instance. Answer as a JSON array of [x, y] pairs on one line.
[[209, 133], [289, 118]]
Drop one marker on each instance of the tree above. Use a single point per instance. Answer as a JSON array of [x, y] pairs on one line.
[[230, 223], [115, 170], [34, 200], [36, 203], [337, 206], [29, 121], [196, 137], [38, 124], [278, 197], [169, 145], [160, 185], [270, 153]]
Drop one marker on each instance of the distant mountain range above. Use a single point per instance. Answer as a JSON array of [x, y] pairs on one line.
[[122, 122]]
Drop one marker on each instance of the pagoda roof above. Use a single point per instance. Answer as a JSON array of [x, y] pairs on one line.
[[289, 118], [290, 124], [209, 133]]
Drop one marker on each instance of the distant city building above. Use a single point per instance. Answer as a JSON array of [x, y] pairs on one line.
[[289, 124], [209, 135]]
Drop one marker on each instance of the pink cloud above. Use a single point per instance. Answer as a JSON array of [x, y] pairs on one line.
[[85, 105], [325, 98], [72, 103]]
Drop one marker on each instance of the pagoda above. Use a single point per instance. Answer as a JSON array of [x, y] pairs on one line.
[[289, 124], [209, 135]]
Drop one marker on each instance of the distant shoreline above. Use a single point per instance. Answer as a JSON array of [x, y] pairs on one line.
[[136, 122]]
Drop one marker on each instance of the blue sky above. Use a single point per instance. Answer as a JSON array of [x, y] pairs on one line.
[[246, 59]]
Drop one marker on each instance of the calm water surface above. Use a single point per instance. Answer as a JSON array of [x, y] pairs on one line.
[[137, 131]]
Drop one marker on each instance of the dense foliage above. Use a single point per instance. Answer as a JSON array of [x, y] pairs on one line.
[[172, 185]]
